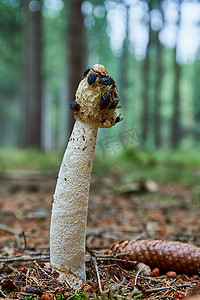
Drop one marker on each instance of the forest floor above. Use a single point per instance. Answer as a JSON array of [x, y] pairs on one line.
[[117, 211]]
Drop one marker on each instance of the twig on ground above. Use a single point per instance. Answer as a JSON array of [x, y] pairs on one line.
[[168, 287], [9, 230], [136, 277], [2, 293], [35, 253], [97, 272], [118, 284], [18, 258], [43, 271], [94, 259], [49, 277], [25, 241], [112, 255], [117, 260], [27, 276]]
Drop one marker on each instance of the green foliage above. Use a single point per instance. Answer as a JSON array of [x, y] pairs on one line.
[[139, 156], [30, 159], [196, 199], [103, 296], [78, 295], [137, 296], [60, 296], [136, 163], [132, 164], [54, 53], [10, 71], [133, 272], [29, 298], [164, 198]]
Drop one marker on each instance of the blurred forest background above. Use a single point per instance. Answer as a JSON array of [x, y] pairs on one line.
[[150, 47]]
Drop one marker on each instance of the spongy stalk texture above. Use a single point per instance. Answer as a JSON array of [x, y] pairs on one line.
[[69, 211], [166, 255]]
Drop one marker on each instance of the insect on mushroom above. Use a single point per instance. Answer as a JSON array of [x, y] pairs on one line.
[[114, 104], [118, 119], [70, 205], [86, 72], [107, 80], [92, 76], [75, 106], [94, 73], [105, 100]]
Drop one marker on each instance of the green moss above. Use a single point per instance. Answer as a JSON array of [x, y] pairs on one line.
[[166, 165], [30, 159], [29, 298], [60, 296], [78, 295], [196, 198], [131, 164]]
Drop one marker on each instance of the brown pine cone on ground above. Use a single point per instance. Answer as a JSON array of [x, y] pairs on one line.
[[165, 255]]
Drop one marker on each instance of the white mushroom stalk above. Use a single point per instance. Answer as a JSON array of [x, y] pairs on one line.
[[95, 105]]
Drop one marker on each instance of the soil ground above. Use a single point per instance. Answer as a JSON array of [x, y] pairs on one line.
[[149, 210]]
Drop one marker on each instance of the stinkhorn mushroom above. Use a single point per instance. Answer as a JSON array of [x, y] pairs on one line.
[[94, 107]]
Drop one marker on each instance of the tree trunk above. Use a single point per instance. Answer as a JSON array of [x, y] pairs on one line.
[[124, 65], [175, 127], [197, 98], [146, 85], [175, 124], [158, 86], [32, 82], [75, 51]]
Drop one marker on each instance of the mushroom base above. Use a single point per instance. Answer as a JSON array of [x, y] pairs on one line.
[[67, 278]]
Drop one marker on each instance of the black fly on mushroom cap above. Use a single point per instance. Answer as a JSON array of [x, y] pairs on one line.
[[75, 106], [86, 72], [118, 119], [94, 73], [105, 100], [114, 104], [106, 80], [92, 78]]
